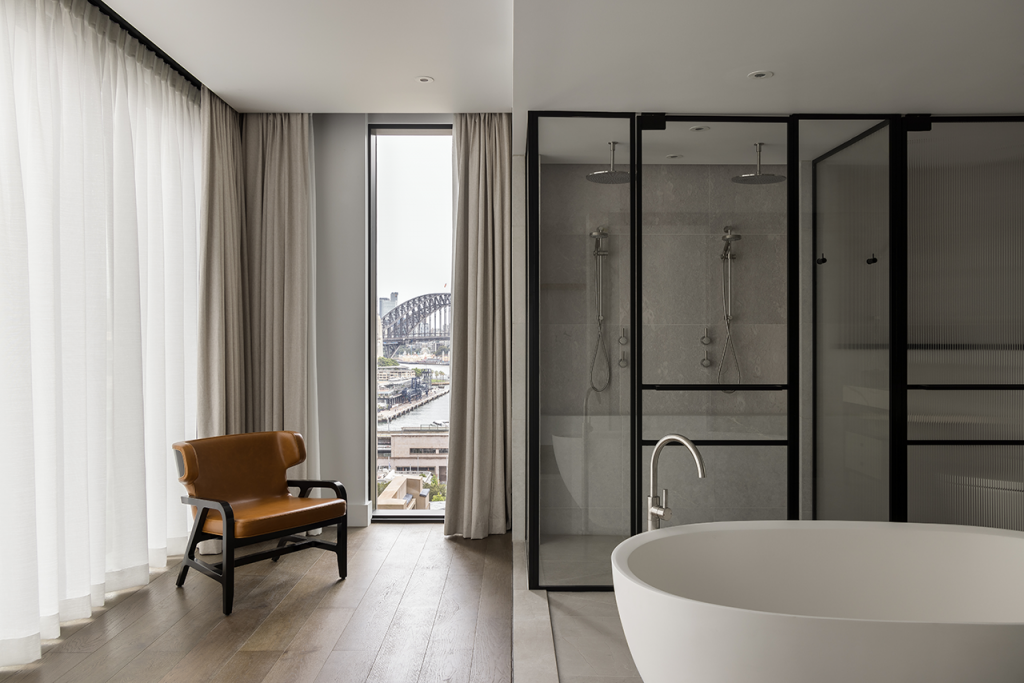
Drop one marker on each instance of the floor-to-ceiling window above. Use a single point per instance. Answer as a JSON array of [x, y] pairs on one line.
[[411, 264]]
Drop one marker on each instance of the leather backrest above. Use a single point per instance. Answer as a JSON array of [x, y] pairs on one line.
[[239, 467]]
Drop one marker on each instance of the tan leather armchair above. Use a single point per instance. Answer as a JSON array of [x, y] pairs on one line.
[[238, 489]]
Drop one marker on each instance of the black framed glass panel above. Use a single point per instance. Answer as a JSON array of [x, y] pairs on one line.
[[845, 171], [583, 331]]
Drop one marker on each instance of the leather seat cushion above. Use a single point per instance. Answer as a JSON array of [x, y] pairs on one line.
[[275, 514]]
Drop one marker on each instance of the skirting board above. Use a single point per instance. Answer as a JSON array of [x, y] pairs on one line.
[[358, 514]]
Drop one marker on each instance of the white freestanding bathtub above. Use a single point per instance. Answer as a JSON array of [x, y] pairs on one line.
[[823, 602]]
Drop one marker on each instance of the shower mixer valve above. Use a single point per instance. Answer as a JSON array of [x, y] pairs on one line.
[[705, 340], [706, 362]]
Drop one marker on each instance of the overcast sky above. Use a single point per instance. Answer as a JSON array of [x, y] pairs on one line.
[[414, 215]]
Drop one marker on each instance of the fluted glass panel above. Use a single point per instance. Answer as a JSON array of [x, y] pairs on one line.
[[710, 415], [965, 249], [852, 330], [973, 485], [741, 483], [965, 415]]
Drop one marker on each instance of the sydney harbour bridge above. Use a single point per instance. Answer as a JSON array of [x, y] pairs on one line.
[[424, 319]]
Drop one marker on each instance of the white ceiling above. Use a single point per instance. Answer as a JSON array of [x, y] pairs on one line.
[[902, 56], [352, 56]]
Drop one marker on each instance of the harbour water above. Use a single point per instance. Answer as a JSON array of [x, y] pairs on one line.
[[438, 409]]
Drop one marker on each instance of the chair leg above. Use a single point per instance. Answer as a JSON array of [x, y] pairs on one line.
[[280, 544], [193, 541], [342, 549], [228, 570]]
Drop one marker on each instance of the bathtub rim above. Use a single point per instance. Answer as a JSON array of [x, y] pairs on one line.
[[620, 561]]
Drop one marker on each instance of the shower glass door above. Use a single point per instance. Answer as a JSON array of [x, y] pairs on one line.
[[847, 164], [581, 346], [716, 334]]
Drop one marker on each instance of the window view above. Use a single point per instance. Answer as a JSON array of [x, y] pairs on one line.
[[413, 212]]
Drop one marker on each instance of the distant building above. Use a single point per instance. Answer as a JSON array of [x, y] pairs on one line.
[[387, 304], [380, 337]]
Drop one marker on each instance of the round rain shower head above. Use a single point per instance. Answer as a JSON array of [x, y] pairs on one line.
[[611, 176], [758, 178]]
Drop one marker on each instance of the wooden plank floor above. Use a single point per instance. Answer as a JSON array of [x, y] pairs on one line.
[[416, 607]]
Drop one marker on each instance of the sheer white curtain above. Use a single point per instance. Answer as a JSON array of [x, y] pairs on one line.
[[99, 174]]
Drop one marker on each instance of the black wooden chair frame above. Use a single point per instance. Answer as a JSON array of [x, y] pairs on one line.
[[224, 571]]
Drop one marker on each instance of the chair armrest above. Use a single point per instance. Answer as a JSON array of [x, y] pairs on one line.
[[221, 506], [305, 485]]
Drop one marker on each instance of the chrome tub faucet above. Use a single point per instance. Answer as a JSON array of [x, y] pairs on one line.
[[657, 508]]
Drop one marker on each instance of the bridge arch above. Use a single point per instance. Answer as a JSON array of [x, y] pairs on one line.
[[424, 318]]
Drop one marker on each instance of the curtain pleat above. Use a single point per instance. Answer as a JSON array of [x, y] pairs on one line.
[[99, 149], [479, 467], [222, 339], [257, 357]]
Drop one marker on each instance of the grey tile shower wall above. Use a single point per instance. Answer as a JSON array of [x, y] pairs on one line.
[[741, 483], [686, 209]]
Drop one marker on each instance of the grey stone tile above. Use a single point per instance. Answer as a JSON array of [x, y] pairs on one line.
[[673, 354], [562, 521], [674, 286], [607, 520], [569, 203], [576, 573], [676, 199], [564, 368], [748, 514], [599, 640], [727, 196], [751, 477], [758, 280], [584, 604], [555, 494]]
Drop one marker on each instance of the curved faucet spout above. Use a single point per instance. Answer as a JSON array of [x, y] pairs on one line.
[[658, 507]]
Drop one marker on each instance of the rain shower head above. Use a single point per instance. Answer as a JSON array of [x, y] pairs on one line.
[[758, 178], [611, 176]]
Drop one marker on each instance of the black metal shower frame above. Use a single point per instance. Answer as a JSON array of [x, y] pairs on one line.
[[533, 329], [899, 347], [899, 443], [639, 122]]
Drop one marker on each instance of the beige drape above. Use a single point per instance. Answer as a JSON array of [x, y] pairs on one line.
[[256, 355], [479, 470], [221, 397]]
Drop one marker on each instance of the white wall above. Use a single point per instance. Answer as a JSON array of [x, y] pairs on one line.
[[342, 296]]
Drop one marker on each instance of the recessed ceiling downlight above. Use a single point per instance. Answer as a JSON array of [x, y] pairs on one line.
[[760, 75], [698, 129], [424, 79]]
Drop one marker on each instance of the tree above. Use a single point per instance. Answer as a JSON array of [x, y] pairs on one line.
[[383, 362], [438, 491]]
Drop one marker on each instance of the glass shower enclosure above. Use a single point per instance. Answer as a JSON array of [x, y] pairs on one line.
[[660, 287]]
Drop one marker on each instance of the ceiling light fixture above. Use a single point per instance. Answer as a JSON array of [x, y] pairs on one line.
[[698, 129], [760, 75], [673, 156], [424, 79]]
